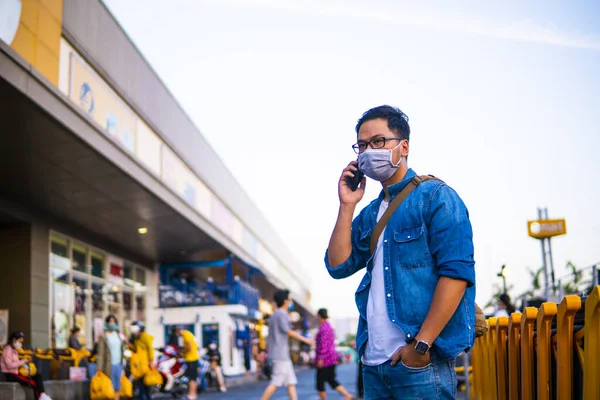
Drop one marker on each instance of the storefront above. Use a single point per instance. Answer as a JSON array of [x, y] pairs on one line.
[[88, 284]]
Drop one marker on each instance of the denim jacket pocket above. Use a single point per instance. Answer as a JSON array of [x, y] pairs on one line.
[[411, 247]]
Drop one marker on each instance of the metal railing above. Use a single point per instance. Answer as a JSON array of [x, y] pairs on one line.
[[550, 352], [209, 294]]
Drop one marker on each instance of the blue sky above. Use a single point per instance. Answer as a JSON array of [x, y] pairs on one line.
[[502, 99]]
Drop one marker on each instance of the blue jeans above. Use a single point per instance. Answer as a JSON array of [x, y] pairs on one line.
[[434, 381], [92, 370], [144, 390], [115, 376]]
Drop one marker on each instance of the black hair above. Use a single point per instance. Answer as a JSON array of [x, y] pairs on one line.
[[74, 330], [14, 336], [111, 316], [505, 298], [323, 313], [281, 296], [397, 121]]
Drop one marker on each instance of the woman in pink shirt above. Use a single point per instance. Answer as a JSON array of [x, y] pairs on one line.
[[327, 358], [10, 365]]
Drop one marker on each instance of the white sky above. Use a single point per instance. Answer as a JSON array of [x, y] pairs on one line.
[[502, 99]]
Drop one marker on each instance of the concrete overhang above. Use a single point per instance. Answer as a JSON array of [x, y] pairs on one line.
[[60, 166]]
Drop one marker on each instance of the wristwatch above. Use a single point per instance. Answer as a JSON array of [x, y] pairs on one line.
[[422, 347]]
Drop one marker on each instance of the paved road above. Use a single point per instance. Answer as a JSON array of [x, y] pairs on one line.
[[306, 387]]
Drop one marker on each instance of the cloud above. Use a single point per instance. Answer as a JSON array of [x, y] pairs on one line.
[[522, 30]]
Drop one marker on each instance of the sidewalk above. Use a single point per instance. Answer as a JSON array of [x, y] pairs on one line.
[[240, 380]]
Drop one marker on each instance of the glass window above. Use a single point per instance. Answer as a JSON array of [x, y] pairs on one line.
[[61, 300], [141, 306], [128, 314], [59, 246], [127, 304], [128, 270], [79, 256], [141, 276], [60, 275], [128, 274], [97, 265], [97, 310], [80, 288]]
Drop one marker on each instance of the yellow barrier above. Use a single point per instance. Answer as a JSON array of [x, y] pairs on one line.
[[514, 356], [544, 351], [591, 352], [564, 336], [501, 357], [527, 322], [491, 358], [505, 358]]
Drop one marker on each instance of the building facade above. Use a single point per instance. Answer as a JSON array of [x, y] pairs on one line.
[[110, 196]]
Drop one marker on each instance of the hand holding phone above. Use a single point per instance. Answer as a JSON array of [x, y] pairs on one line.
[[354, 182]]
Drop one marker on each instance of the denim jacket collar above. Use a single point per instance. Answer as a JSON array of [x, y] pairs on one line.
[[394, 189]]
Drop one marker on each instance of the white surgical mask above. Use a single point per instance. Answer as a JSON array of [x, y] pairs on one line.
[[18, 345], [134, 329], [377, 164]]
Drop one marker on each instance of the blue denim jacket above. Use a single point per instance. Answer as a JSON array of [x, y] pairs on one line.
[[428, 236]]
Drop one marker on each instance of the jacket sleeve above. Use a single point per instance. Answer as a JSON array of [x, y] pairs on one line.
[[148, 341], [361, 251], [101, 358], [451, 236]]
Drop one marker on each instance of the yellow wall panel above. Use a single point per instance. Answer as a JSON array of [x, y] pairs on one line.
[[24, 43], [29, 14], [54, 7], [49, 30], [47, 62], [38, 37]]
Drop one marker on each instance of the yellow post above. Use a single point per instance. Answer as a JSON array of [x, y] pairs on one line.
[[591, 350], [491, 349], [527, 323], [479, 375], [501, 357], [564, 335], [514, 356], [544, 350]]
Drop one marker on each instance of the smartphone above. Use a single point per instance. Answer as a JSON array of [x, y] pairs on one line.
[[355, 181]]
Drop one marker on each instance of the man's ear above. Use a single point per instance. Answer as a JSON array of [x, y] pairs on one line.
[[405, 148]]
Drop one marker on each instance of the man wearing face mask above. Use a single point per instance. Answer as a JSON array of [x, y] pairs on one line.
[[142, 345], [280, 329], [417, 298]]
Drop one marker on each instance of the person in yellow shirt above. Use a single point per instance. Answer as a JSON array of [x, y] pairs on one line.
[[191, 358], [142, 344]]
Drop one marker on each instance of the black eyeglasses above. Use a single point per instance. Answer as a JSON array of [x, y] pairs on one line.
[[376, 143]]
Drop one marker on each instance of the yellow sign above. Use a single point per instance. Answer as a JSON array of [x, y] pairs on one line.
[[545, 228]]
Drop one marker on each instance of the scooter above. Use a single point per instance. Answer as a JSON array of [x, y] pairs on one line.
[[172, 369]]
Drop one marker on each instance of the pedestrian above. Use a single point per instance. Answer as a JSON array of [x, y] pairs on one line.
[[247, 349], [327, 358], [74, 338], [10, 364], [191, 358], [214, 357], [417, 298], [109, 357], [505, 306], [141, 343], [280, 330]]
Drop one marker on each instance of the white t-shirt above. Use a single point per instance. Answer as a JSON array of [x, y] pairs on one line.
[[384, 338]]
